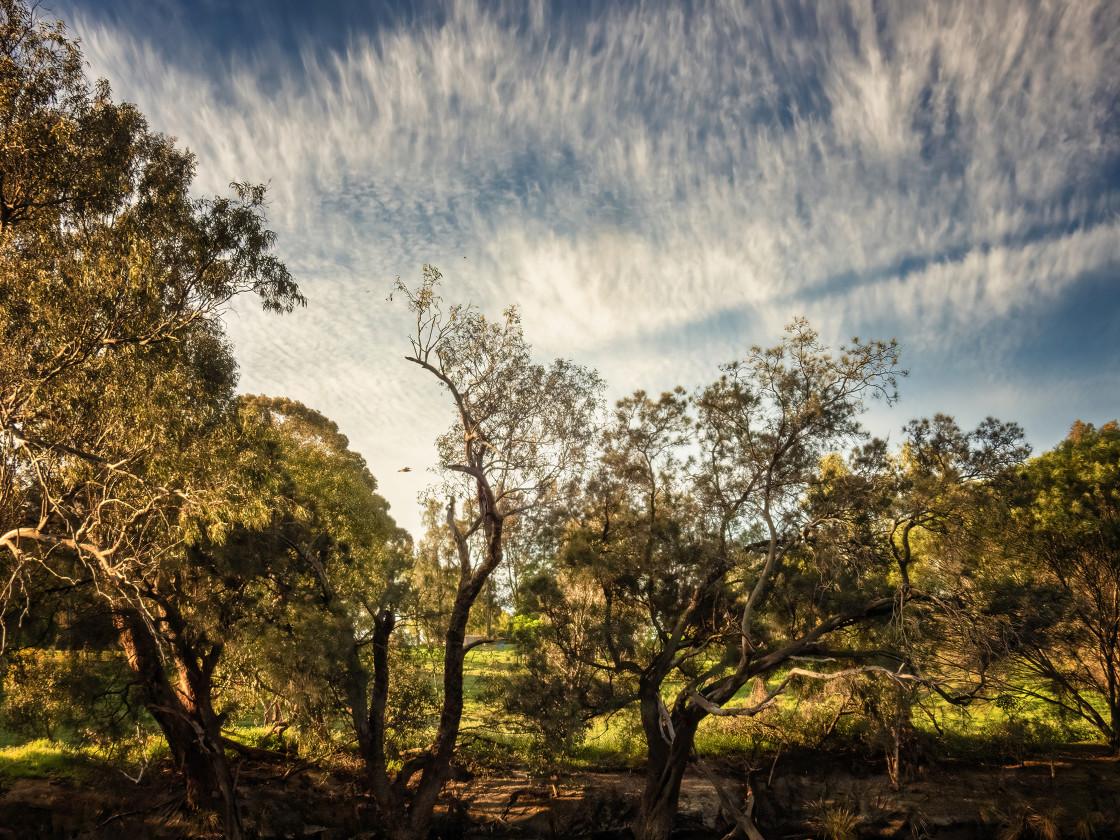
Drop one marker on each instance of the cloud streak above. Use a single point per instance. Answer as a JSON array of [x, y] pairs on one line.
[[930, 170]]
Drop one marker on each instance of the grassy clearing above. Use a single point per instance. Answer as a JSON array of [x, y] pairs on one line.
[[43, 758], [492, 742], [481, 666], [1007, 732]]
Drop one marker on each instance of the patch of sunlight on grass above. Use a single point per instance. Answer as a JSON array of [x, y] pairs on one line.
[[44, 758], [77, 758], [613, 741]]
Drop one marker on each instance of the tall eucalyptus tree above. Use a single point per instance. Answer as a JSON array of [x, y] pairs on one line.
[[114, 369], [520, 430]]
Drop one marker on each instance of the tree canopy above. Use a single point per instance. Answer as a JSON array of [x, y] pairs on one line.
[[219, 550], [116, 381], [1053, 592]]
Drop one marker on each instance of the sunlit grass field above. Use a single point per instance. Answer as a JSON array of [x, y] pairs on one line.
[[802, 719]]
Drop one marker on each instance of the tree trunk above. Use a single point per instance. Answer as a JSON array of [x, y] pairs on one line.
[[669, 748], [371, 731], [899, 732], [406, 809], [206, 774], [1113, 733], [437, 765], [189, 724]]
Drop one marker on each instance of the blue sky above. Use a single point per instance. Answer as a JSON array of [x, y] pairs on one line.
[[659, 186]]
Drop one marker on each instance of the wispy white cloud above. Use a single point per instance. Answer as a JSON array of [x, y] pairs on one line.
[[928, 169]]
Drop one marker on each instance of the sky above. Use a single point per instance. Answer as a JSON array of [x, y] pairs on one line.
[[658, 186]]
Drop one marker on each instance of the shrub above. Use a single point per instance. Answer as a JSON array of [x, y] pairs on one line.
[[56, 694], [833, 822]]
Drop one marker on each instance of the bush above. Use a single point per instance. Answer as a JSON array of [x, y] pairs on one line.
[[833, 822], [488, 757], [1007, 740], [60, 695]]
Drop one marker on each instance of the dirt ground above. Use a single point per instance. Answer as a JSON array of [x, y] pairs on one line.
[[1077, 794]]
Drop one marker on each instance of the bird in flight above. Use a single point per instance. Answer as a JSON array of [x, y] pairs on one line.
[[405, 469]]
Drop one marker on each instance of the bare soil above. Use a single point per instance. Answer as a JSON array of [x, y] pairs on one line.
[[1076, 794]]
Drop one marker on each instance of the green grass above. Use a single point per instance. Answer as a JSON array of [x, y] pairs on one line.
[[44, 758], [485, 663], [75, 758], [985, 732]]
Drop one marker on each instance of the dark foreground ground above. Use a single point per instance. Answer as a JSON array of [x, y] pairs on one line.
[[1077, 794]]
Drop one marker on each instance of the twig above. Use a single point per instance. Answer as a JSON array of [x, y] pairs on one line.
[[158, 805], [777, 753]]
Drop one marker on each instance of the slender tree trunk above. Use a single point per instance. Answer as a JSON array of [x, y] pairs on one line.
[[371, 732], [489, 610], [437, 768], [1113, 732], [899, 729], [406, 808], [187, 720]]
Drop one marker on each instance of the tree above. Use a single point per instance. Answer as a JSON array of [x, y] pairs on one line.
[[62, 146], [115, 376], [334, 561], [943, 477], [691, 580], [627, 553], [1053, 594], [520, 429], [278, 556], [926, 511], [764, 429]]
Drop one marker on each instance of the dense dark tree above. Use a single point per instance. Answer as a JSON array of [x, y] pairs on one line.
[[334, 560]]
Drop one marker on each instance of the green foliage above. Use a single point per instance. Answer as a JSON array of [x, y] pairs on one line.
[[53, 694], [518, 424], [413, 699], [1077, 487], [117, 382], [549, 708], [1048, 592], [434, 575], [113, 363], [555, 694]]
